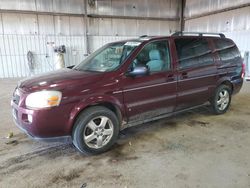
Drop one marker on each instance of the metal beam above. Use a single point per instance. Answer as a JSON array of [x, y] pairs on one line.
[[132, 17], [89, 15], [218, 11], [86, 28], [39, 13], [183, 3]]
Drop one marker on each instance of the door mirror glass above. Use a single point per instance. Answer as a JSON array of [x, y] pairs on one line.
[[139, 70]]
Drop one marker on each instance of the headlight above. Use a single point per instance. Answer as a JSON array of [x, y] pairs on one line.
[[43, 99]]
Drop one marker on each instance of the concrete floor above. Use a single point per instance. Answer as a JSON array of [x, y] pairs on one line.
[[194, 149]]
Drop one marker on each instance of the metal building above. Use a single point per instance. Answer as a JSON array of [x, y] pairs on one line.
[[81, 25], [229, 17], [84, 25]]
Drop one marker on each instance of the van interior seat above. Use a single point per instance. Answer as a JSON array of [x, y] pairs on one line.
[[155, 63]]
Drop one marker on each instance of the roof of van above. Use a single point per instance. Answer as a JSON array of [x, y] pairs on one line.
[[178, 34], [183, 34]]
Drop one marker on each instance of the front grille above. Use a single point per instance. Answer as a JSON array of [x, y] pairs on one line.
[[16, 97]]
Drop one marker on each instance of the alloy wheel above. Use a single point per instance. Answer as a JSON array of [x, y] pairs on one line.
[[223, 100], [98, 132]]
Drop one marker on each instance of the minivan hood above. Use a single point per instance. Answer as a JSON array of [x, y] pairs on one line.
[[59, 79]]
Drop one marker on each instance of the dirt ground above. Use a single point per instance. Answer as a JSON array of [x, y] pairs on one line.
[[195, 149]]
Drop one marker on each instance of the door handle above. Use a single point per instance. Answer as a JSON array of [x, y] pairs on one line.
[[170, 78], [184, 75]]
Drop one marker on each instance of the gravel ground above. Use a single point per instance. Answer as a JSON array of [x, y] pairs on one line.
[[194, 149]]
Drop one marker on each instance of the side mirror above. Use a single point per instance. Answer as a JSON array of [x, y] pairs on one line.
[[139, 70], [70, 67]]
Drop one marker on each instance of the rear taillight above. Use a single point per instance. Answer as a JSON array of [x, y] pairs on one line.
[[243, 70]]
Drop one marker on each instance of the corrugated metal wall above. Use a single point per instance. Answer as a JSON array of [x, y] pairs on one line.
[[32, 25], [229, 17], [198, 7], [14, 48]]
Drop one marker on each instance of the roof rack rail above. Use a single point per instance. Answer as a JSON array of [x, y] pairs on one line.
[[143, 36], [182, 33]]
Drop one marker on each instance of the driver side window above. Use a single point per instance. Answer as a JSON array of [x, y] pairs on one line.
[[155, 56]]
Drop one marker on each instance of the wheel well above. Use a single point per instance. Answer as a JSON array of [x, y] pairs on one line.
[[108, 105], [111, 107], [229, 84]]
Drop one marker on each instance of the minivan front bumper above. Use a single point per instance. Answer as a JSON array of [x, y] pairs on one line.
[[39, 125]]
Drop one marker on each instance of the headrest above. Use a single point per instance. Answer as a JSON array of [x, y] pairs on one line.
[[154, 55]]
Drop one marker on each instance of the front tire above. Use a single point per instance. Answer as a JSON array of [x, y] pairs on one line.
[[221, 99], [95, 130]]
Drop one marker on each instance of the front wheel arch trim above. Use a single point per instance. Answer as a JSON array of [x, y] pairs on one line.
[[83, 106]]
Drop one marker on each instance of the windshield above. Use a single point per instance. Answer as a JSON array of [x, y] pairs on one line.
[[108, 58]]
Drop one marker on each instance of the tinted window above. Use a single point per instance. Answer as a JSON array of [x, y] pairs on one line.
[[193, 52], [155, 55], [227, 51]]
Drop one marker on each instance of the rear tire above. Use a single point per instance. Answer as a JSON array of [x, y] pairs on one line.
[[221, 99], [95, 130]]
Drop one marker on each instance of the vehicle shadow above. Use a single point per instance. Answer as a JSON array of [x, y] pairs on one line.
[[169, 122]]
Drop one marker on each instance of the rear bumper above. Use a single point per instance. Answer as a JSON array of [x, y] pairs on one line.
[[237, 85]]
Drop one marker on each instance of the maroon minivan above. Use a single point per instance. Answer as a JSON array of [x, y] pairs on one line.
[[128, 83]]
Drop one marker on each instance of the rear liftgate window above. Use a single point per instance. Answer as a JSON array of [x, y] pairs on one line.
[[193, 52]]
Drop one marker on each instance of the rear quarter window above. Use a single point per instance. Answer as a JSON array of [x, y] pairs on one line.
[[193, 52], [227, 51]]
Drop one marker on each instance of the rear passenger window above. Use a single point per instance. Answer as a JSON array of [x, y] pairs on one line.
[[193, 52], [227, 51]]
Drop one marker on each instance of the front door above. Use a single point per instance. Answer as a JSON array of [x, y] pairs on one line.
[[153, 94]]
